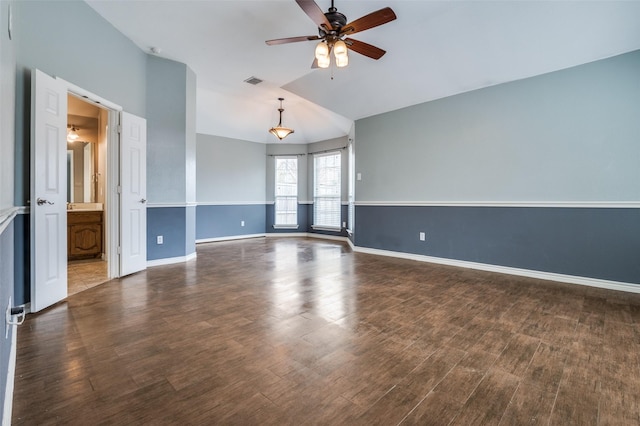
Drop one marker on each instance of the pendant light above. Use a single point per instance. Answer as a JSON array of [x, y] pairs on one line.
[[279, 131], [72, 133]]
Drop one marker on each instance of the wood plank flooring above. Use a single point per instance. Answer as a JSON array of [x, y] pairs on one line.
[[303, 331]]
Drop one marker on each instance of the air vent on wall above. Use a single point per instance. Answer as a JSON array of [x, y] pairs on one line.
[[253, 80]]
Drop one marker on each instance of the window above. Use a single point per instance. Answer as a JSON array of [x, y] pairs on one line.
[[326, 190], [286, 193]]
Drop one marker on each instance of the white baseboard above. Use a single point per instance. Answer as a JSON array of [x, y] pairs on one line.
[[229, 238], [171, 260], [327, 237], [550, 276], [11, 373], [286, 234], [275, 235]]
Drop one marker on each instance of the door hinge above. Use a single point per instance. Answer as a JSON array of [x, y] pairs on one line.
[[119, 250], [119, 189], [119, 129]]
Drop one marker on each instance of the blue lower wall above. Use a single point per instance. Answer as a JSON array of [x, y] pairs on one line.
[[21, 260], [305, 220], [601, 243], [221, 221], [6, 292], [170, 222]]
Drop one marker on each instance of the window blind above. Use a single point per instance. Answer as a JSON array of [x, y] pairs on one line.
[[326, 191], [286, 191]]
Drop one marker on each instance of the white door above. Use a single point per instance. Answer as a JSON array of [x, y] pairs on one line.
[[133, 183], [48, 209]]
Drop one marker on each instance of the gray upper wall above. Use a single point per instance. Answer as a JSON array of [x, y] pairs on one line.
[[68, 39], [171, 89], [571, 135], [229, 171], [7, 108]]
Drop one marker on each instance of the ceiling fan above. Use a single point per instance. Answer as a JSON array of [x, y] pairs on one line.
[[333, 30]]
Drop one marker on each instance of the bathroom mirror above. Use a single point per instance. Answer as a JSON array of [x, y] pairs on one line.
[[81, 176]]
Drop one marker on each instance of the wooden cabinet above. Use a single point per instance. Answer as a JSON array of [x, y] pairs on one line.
[[84, 234]]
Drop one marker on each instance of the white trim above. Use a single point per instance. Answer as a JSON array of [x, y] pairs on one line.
[[571, 204], [551, 276], [6, 216], [276, 226], [287, 234], [231, 237], [326, 237], [274, 235], [232, 203], [171, 260], [307, 235], [165, 205], [89, 96], [353, 247], [327, 228], [11, 372]]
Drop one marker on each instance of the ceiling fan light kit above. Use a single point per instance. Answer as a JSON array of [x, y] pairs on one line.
[[280, 131], [332, 30]]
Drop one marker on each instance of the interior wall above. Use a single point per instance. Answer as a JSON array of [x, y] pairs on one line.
[[229, 171], [7, 105], [570, 135], [65, 39], [230, 187], [171, 154], [49, 36], [7, 209], [540, 174]]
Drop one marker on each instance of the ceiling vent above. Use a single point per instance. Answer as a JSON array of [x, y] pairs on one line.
[[253, 80]]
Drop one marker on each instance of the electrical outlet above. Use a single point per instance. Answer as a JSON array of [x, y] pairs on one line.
[[344, 224], [358, 176], [423, 236], [159, 239], [242, 223]]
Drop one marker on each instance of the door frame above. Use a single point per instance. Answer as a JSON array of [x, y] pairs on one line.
[[112, 190]]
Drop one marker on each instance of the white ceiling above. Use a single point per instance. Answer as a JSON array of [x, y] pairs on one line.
[[434, 49]]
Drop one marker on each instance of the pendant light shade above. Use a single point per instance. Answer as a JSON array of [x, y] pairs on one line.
[[72, 133], [280, 131]]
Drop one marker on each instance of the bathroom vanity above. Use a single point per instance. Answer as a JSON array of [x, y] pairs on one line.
[[84, 232]]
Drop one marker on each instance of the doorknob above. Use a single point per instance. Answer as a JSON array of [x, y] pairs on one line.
[[143, 201], [41, 201]]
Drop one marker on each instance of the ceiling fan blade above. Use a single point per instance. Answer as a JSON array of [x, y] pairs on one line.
[[291, 40], [365, 49], [314, 12], [371, 20]]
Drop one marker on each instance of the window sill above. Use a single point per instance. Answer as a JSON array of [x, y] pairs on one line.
[[326, 228], [285, 226]]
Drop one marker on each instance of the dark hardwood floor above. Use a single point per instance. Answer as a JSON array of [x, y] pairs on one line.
[[303, 331]]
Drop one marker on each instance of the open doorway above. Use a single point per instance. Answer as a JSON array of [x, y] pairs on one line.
[[124, 207], [87, 243]]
